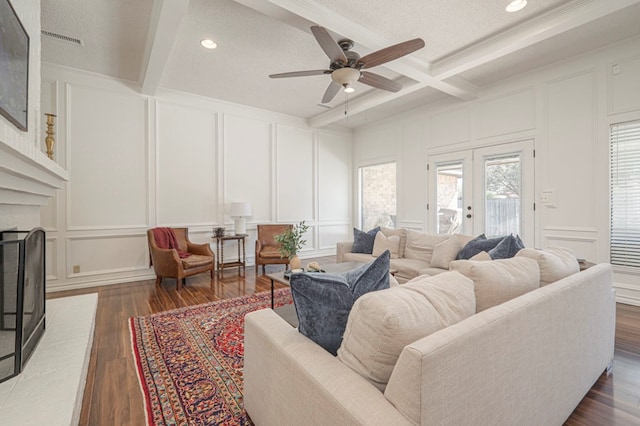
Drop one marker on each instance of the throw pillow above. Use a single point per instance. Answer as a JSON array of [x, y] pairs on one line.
[[420, 245], [555, 263], [323, 301], [382, 323], [500, 280], [363, 241], [506, 248], [445, 252], [382, 243], [481, 257], [478, 244], [402, 233]]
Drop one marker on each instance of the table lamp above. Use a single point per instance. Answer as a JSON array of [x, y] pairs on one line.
[[239, 211]]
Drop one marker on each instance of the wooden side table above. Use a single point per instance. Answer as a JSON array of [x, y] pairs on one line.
[[242, 260]]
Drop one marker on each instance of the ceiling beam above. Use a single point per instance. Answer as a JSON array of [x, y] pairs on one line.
[[166, 18], [542, 28]]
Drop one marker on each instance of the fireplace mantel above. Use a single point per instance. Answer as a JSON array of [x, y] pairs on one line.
[[27, 175]]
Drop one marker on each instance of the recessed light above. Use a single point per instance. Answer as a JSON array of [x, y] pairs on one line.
[[209, 44], [349, 89], [516, 5]]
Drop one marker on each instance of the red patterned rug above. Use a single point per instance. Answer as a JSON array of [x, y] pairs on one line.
[[190, 360]]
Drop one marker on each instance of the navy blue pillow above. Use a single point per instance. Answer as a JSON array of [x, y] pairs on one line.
[[363, 241], [323, 301], [478, 244], [506, 248]]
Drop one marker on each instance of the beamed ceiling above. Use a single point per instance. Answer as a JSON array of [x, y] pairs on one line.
[[469, 44]]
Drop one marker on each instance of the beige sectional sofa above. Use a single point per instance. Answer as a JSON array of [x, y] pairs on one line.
[[418, 253], [526, 361]]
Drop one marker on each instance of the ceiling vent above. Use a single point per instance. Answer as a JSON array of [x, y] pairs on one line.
[[60, 37]]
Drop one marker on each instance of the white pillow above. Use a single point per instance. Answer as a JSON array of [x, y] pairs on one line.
[[382, 243], [401, 232], [555, 263], [382, 323], [500, 280], [420, 245], [482, 256], [445, 252]]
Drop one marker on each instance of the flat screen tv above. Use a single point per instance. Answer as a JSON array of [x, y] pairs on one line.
[[14, 67]]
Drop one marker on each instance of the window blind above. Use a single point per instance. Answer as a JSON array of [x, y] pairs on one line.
[[625, 194]]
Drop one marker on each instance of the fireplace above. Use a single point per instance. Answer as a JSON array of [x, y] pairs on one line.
[[22, 297]]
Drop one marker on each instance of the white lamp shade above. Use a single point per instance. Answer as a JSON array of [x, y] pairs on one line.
[[241, 209]]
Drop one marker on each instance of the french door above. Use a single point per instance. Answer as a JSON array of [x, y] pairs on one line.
[[484, 190]]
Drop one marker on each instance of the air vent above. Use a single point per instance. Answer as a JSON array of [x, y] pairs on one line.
[[66, 39]]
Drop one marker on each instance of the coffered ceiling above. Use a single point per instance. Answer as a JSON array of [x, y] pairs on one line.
[[469, 44]]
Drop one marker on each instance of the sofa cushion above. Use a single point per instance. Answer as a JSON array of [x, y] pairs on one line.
[[323, 301], [555, 263], [408, 268], [482, 256], [382, 323], [478, 244], [506, 248], [445, 252], [382, 243], [358, 257], [420, 245], [402, 233], [500, 280], [431, 271], [363, 241]]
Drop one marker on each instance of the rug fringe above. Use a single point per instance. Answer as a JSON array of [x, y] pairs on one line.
[[143, 389]]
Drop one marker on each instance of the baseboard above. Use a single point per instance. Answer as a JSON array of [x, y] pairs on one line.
[[627, 294], [98, 283]]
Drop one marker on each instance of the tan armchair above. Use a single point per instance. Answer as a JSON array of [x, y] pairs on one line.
[[168, 264], [267, 247]]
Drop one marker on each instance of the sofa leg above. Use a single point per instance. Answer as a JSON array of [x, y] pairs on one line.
[[158, 281]]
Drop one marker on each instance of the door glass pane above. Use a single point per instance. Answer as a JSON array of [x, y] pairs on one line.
[[378, 196], [449, 198], [503, 177]]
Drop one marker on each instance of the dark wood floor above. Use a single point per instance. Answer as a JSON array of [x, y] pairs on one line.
[[112, 394]]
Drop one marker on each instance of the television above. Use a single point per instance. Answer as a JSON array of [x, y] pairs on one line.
[[14, 67]]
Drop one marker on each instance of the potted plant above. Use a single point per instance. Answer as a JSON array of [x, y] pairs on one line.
[[291, 241]]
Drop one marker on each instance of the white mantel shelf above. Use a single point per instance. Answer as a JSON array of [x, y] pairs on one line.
[[27, 175]]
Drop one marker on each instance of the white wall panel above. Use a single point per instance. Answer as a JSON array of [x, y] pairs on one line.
[[295, 175], [104, 254], [51, 253], [107, 159], [377, 143], [412, 191], [449, 127], [247, 165], [186, 166], [334, 176], [569, 152], [624, 85], [332, 234], [506, 114], [48, 219]]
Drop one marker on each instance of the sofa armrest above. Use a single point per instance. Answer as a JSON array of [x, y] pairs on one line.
[[289, 380], [342, 248]]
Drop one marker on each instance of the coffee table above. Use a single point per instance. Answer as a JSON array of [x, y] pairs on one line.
[[279, 277]]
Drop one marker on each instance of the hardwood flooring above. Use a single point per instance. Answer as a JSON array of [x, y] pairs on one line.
[[112, 395]]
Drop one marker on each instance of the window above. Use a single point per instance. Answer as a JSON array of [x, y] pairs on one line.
[[378, 196], [625, 194]]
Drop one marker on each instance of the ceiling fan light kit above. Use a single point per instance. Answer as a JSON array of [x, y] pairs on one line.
[[346, 65]]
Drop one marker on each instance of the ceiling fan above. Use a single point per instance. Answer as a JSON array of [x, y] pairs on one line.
[[346, 66]]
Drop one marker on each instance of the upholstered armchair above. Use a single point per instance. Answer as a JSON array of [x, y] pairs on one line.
[[167, 263], [267, 252]]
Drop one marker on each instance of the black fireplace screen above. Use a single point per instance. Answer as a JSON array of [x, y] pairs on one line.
[[22, 297]]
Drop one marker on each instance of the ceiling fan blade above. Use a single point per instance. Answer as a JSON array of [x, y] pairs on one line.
[[379, 82], [331, 92], [328, 44], [300, 73], [390, 53]]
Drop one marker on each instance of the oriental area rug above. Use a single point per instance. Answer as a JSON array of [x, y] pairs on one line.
[[190, 360]]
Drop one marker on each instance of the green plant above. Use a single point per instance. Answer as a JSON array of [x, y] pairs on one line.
[[291, 240]]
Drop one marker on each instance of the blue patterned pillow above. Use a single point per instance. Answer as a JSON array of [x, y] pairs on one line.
[[478, 244], [323, 301], [363, 241], [506, 248]]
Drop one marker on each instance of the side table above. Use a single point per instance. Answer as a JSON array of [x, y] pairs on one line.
[[242, 260]]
